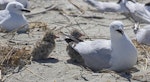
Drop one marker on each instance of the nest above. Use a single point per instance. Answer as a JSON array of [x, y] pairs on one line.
[[13, 57], [143, 61]]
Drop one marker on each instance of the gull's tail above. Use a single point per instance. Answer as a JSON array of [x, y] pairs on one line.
[[94, 3], [72, 40], [74, 36]]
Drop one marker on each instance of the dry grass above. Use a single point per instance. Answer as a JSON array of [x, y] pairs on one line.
[[143, 63], [12, 57], [143, 54]]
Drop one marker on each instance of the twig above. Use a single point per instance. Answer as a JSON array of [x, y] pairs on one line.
[[46, 9], [88, 17], [69, 25], [19, 79], [5, 77], [146, 57], [82, 29], [35, 74], [81, 10], [6, 57]]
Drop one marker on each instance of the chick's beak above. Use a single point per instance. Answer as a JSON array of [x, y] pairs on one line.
[[25, 10], [56, 36]]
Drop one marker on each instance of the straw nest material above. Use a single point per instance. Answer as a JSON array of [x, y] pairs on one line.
[[13, 57], [143, 63], [143, 53]]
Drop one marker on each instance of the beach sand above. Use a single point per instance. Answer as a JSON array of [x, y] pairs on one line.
[[63, 16]]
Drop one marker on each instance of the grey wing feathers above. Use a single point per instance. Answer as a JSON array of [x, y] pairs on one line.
[[99, 59], [96, 54]]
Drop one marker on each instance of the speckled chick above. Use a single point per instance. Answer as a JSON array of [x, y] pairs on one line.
[[74, 55], [45, 47]]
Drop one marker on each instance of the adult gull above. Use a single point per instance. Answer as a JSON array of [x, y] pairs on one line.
[[12, 17], [142, 35], [117, 54], [109, 6], [3, 3], [140, 13]]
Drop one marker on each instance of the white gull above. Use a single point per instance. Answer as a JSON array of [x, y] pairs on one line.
[[3, 3], [143, 35], [109, 6], [117, 54], [140, 13], [12, 17]]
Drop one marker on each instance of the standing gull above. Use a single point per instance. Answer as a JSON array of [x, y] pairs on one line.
[[12, 17], [3, 3], [117, 54]]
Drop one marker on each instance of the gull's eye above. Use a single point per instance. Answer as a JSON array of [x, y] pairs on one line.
[[15, 6]]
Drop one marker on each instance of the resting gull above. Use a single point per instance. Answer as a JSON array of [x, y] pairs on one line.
[[143, 35], [12, 17], [117, 54], [3, 3], [109, 6]]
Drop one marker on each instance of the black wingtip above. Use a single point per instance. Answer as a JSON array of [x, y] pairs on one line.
[[147, 4], [132, 1], [68, 40], [119, 1]]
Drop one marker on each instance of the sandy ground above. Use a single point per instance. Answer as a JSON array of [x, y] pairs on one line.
[[56, 68]]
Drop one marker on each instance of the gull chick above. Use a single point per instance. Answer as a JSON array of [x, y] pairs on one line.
[[3, 3], [74, 55], [117, 54], [12, 18], [44, 47]]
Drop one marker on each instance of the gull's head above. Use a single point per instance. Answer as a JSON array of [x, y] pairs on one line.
[[16, 7], [116, 28], [24, 2], [50, 36]]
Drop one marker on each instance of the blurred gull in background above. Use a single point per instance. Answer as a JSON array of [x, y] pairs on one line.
[[139, 12], [109, 6], [143, 35], [12, 17], [3, 3]]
